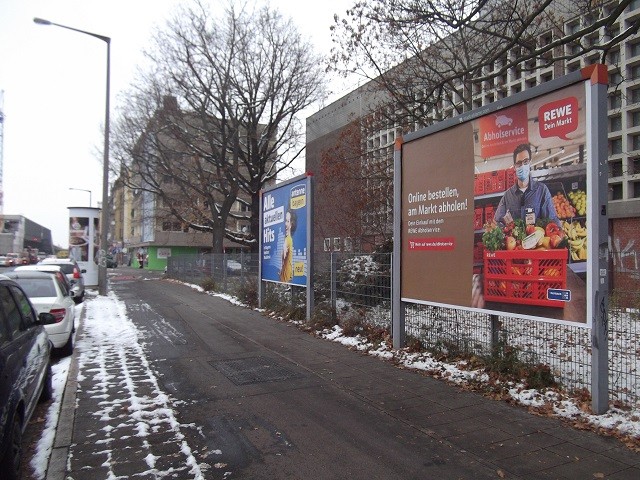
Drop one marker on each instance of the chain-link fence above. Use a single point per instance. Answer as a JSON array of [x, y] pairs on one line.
[[361, 283]]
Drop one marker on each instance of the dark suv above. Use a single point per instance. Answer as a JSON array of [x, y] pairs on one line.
[[25, 371]]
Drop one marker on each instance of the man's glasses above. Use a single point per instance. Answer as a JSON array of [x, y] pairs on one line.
[[520, 163]]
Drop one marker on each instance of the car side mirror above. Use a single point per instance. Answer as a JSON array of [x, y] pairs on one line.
[[46, 318], [72, 293]]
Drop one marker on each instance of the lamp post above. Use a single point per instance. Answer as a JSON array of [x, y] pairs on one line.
[[83, 190], [104, 214]]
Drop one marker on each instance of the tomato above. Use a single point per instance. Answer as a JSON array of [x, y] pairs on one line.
[[552, 229], [530, 229]]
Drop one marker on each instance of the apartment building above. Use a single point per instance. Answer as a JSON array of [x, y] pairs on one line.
[[143, 220]]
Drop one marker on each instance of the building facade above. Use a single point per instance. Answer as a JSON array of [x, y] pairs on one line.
[[143, 198], [20, 233]]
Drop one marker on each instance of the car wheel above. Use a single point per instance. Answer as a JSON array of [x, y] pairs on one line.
[[47, 387], [10, 464], [67, 349]]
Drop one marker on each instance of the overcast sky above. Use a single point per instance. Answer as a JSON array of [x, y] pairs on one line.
[[53, 84]]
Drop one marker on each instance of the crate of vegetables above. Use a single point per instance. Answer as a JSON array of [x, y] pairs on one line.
[[524, 276], [521, 262]]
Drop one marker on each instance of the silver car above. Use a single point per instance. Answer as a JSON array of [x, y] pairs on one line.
[[73, 272]]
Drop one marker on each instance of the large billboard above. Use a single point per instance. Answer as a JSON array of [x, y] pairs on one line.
[[495, 208], [284, 249]]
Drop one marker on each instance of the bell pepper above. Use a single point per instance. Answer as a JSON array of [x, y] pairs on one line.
[[552, 229]]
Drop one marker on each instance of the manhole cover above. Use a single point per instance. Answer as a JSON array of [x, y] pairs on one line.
[[247, 371]]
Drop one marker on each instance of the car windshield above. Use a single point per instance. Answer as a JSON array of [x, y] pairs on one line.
[[38, 287]]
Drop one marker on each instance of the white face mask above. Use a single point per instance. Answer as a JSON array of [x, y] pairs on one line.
[[522, 172]]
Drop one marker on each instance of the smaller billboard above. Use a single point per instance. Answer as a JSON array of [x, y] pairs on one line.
[[284, 250]]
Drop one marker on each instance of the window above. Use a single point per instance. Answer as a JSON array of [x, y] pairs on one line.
[[615, 123], [11, 311], [615, 100], [615, 191], [614, 57], [615, 168], [634, 49], [28, 316], [634, 118], [615, 146], [614, 77], [634, 73], [634, 96], [636, 189], [635, 142], [634, 166]]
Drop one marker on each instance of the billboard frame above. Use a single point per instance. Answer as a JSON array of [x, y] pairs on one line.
[[307, 179], [597, 242]]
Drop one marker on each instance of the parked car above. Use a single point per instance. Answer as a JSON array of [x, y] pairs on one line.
[[233, 267], [16, 258], [5, 261], [56, 269], [48, 294], [73, 272], [25, 370]]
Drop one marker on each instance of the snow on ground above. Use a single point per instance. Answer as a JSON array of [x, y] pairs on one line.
[[112, 367]]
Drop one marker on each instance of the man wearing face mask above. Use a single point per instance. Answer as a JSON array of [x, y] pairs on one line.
[[526, 195]]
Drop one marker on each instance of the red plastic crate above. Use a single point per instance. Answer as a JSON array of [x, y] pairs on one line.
[[488, 213], [495, 181], [477, 218], [478, 252], [524, 276], [478, 184], [510, 177]]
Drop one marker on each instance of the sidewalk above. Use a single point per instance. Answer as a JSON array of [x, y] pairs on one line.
[[120, 418]]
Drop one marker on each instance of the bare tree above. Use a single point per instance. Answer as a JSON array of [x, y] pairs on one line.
[[425, 52], [239, 81]]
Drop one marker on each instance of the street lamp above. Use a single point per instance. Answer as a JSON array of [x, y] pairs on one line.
[[104, 216], [83, 190]]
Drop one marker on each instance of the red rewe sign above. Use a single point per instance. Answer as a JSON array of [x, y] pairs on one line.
[[558, 118], [503, 131]]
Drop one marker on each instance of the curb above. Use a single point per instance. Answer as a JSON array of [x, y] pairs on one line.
[[57, 466]]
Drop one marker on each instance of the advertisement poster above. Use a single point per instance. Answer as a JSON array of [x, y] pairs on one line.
[[284, 234], [79, 239], [494, 211]]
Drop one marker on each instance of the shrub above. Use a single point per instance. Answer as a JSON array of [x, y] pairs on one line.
[[322, 318], [506, 361], [352, 323], [248, 293], [208, 284], [414, 345]]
